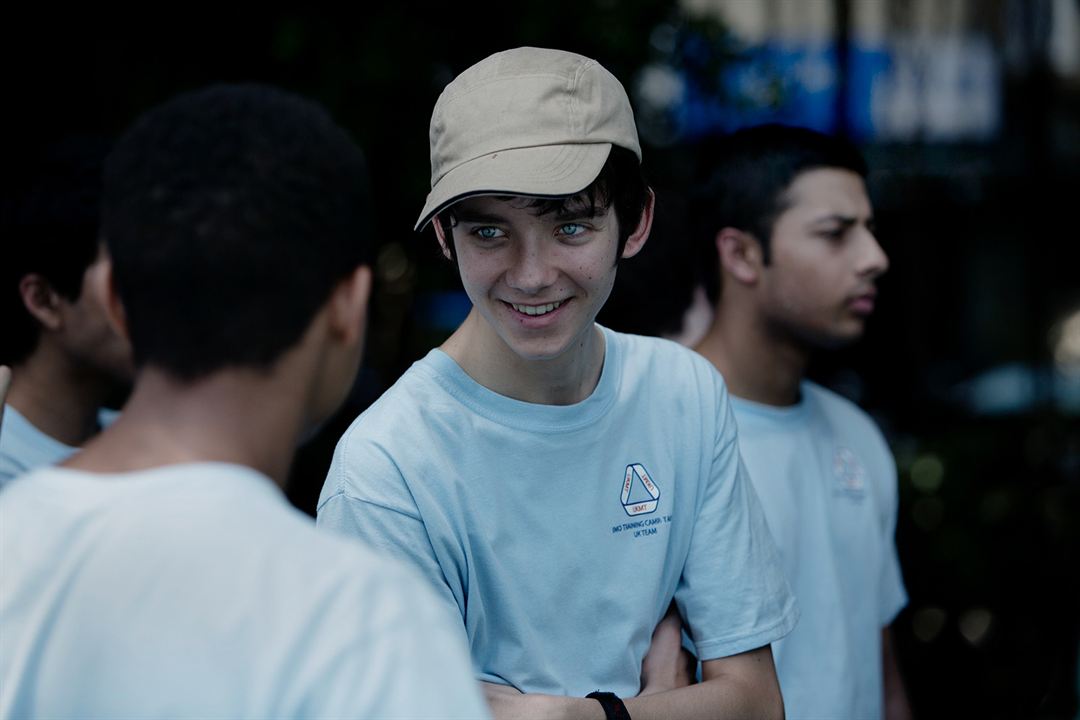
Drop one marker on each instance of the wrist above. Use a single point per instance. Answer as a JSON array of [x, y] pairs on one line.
[[562, 707], [612, 705]]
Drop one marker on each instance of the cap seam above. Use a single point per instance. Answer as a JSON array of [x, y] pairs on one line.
[[574, 100], [483, 83]]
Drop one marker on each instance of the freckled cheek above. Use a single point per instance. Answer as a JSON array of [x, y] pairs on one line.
[[473, 276]]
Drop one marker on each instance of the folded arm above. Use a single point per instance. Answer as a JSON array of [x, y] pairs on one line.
[[740, 686], [896, 700]]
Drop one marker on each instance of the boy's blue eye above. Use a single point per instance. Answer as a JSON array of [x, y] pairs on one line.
[[487, 233], [571, 229]]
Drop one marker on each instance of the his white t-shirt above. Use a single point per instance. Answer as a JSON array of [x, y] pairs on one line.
[[827, 483], [560, 534], [196, 591]]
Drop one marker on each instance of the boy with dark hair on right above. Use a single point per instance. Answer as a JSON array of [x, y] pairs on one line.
[[791, 226], [160, 572]]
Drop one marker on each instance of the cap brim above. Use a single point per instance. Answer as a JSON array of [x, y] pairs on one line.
[[543, 171]]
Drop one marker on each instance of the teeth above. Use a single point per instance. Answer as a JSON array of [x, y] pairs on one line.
[[536, 309]]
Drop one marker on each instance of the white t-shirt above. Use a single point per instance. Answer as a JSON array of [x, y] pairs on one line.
[[827, 482], [196, 591], [24, 448], [560, 534]]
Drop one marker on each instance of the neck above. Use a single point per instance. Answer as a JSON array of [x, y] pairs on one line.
[[757, 363], [57, 397], [239, 416], [564, 380]]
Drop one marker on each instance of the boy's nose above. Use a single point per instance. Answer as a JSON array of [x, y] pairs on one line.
[[531, 271], [872, 258]]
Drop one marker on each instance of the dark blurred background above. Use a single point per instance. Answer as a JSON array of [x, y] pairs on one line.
[[969, 114]]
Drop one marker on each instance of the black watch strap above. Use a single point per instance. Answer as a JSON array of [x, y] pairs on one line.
[[613, 706]]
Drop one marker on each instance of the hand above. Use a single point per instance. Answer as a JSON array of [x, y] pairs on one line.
[[667, 665], [5, 383], [504, 701]]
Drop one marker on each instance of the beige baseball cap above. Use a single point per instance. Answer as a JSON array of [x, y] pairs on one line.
[[528, 121]]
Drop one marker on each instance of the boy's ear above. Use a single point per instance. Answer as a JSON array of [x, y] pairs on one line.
[[740, 255], [637, 239], [442, 238], [348, 306], [41, 300]]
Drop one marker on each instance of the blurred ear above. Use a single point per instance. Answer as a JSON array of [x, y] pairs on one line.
[[442, 238], [347, 306], [740, 255], [637, 239], [41, 301]]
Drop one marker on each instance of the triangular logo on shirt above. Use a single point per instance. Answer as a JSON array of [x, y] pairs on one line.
[[640, 495], [849, 474]]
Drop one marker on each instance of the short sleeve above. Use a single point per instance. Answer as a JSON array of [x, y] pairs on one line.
[[379, 510], [732, 593]]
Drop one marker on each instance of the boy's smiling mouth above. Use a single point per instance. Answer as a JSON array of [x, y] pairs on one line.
[[534, 310]]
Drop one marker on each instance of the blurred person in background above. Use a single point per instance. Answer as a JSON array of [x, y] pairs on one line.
[[160, 572], [67, 361], [661, 291], [791, 226]]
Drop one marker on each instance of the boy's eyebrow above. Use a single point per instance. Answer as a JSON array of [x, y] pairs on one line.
[[845, 220], [475, 216], [834, 218], [579, 212]]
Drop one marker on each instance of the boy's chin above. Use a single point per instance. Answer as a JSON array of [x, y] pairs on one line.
[[831, 339]]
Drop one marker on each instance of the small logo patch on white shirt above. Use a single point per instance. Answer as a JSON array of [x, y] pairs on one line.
[[850, 474]]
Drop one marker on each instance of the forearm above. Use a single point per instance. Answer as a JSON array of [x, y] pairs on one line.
[[507, 703], [721, 697], [896, 700], [705, 701], [712, 699]]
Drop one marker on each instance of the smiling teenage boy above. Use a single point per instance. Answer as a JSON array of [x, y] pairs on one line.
[[558, 483], [788, 215]]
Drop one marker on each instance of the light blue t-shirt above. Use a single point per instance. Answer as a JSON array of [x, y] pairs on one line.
[[827, 482], [560, 534], [196, 591], [24, 448]]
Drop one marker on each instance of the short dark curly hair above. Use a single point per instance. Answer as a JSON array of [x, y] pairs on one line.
[[231, 213]]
